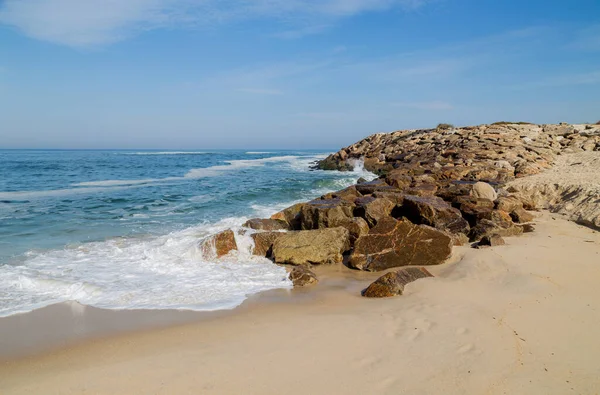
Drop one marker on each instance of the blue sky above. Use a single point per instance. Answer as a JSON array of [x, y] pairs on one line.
[[287, 73]]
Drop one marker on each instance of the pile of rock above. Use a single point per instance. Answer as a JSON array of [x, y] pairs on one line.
[[493, 153], [430, 196]]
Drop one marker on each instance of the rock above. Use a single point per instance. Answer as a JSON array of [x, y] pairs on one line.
[[433, 211], [484, 190], [422, 189], [219, 244], [266, 224], [527, 228], [322, 246], [521, 216], [348, 194], [392, 283], [398, 179], [393, 243], [373, 209], [356, 226], [367, 188], [486, 227], [325, 213], [290, 215], [263, 243], [508, 203], [302, 276], [491, 241]]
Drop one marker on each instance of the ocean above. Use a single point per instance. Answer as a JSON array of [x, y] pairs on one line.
[[120, 229]]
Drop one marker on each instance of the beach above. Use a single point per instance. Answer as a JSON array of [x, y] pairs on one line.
[[520, 318]]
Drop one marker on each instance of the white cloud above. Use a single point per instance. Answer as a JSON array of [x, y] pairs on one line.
[[429, 105], [82, 23]]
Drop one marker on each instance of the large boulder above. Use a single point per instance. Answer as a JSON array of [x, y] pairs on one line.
[[322, 246], [433, 211], [263, 243], [290, 215], [393, 243], [484, 190], [302, 276], [325, 213], [266, 224], [218, 245], [373, 209], [392, 283]]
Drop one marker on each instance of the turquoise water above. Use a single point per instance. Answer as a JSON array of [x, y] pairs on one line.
[[120, 229]]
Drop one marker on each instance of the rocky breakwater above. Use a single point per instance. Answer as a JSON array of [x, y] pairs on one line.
[[437, 189]]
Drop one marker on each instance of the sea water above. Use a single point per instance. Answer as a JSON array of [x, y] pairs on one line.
[[121, 229]]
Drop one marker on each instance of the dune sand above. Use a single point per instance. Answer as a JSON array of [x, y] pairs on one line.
[[517, 319]]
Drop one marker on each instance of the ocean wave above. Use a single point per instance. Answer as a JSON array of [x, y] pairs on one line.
[[169, 153], [258, 152], [164, 272]]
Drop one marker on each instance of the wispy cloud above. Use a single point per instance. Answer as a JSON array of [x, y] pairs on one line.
[[428, 105], [82, 23]]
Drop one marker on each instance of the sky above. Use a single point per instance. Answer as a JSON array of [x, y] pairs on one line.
[[288, 74]]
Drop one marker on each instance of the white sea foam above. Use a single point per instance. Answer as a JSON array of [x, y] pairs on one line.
[[166, 272]]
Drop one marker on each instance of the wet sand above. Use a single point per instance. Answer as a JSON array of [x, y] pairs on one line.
[[521, 318]]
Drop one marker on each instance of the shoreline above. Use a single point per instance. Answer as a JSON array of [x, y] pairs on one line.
[[69, 324], [504, 316]]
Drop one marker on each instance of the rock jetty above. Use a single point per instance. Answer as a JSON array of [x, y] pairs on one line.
[[437, 188]]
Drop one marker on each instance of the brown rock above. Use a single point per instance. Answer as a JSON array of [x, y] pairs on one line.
[[348, 194], [263, 242], [398, 179], [433, 211], [290, 215], [373, 209], [393, 243], [527, 228], [392, 283], [508, 203], [266, 224], [422, 189], [378, 185], [486, 227], [302, 276], [320, 246], [325, 213], [491, 241], [219, 244], [521, 216]]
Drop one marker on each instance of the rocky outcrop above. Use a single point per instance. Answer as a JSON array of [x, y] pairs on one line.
[[393, 283], [219, 245], [322, 246], [392, 243], [484, 190], [493, 153], [302, 276]]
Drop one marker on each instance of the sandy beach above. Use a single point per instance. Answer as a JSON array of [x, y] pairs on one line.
[[520, 318]]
